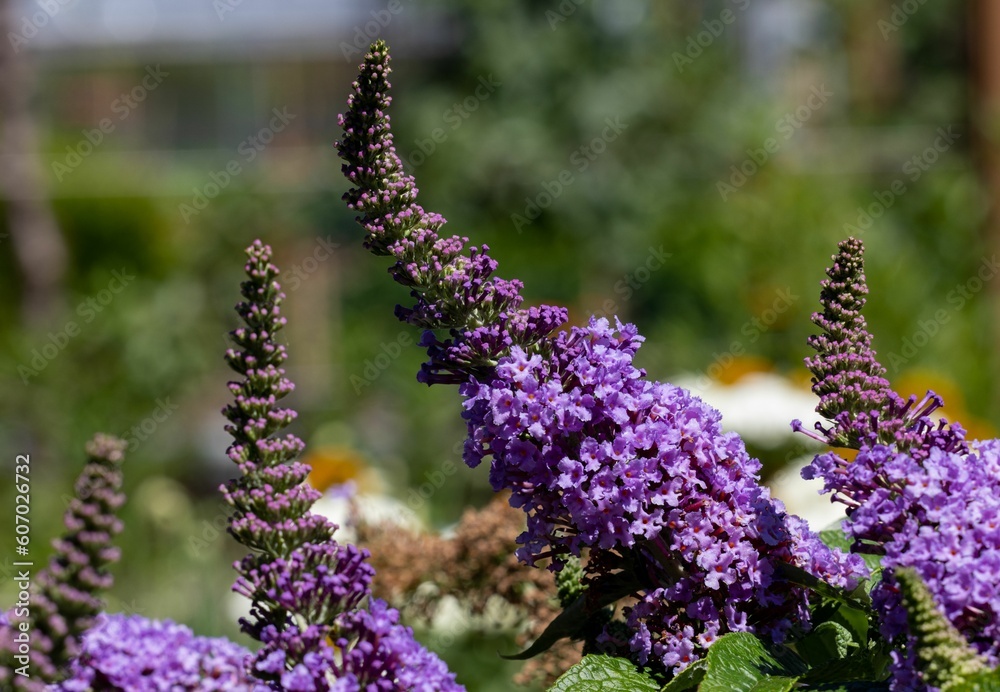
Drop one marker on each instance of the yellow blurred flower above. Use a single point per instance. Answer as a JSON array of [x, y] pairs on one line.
[[918, 380], [740, 367], [335, 465]]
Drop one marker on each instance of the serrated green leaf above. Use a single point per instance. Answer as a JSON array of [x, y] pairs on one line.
[[740, 662], [689, 678], [778, 684], [848, 656], [829, 641], [600, 673], [856, 621]]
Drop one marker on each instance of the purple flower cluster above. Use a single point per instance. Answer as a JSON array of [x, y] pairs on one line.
[[917, 493], [306, 590], [134, 654], [305, 584], [65, 598], [601, 458], [373, 652], [380, 650], [939, 514], [453, 289], [598, 457]]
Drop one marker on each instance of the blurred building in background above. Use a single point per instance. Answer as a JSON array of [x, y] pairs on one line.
[[185, 82]]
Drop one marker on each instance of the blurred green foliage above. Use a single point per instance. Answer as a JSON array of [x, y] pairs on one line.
[[564, 69]]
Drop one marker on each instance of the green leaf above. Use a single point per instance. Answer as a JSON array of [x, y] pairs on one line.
[[740, 662], [866, 686], [857, 669], [829, 641], [834, 537], [838, 649], [572, 621], [856, 621], [568, 623], [689, 678], [858, 598], [600, 673], [779, 684]]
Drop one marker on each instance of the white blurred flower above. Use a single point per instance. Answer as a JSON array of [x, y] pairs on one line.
[[346, 509], [760, 406], [802, 497]]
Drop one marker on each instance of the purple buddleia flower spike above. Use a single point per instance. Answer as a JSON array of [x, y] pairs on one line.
[[454, 287], [636, 473], [65, 597], [306, 590], [917, 493], [850, 382], [847, 377]]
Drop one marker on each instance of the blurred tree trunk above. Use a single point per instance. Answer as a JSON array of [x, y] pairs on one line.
[[37, 242], [984, 33]]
